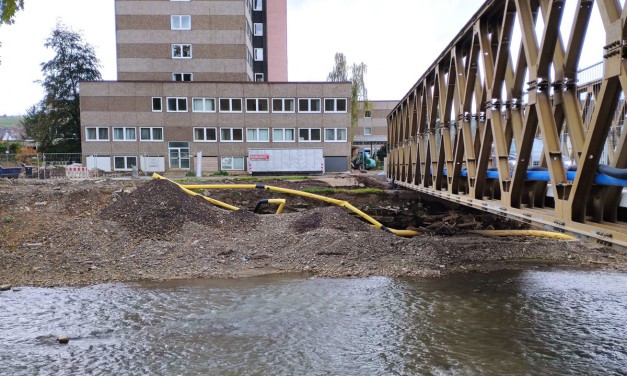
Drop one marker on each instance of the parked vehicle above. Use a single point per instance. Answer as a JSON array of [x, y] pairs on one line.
[[363, 161]]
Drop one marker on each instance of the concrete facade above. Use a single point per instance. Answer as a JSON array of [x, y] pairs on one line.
[[194, 77], [372, 126], [119, 120]]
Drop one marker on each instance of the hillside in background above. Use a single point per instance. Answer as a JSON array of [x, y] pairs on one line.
[[8, 122]]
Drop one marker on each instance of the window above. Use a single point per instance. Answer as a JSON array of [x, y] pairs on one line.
[[257, 4], [97, 134], [181, 22], [205, 135], [283, 135], [257, 135], [182, 77], [124, 134], [335, 105], [124, 163], [177, 104], [156, 104], [368, 114], [232, 163], [259, 77], [283, 105], [335, 135], [181, 51], [230, 105], [258, 54], [257, 105], [309, 105], [232, 134], [203, 105], [258, 28], [367, 131], [151, 134], [309, 135]]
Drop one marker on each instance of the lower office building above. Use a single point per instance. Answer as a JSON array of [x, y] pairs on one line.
[[163, 126]]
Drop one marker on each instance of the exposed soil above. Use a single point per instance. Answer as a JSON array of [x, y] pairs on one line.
[[77, 233]]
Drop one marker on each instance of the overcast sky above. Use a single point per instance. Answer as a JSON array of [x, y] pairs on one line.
[[397, 39]]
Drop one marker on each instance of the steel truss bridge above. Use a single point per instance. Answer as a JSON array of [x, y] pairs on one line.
[[506, 85]]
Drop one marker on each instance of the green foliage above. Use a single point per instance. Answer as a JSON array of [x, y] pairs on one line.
[[55, 121], [8, 122], [357, 191], [270, 178], [220, 173], [12, 147], [8, 219], [340, 69], [382, 153], [8, 8], [359, 93]]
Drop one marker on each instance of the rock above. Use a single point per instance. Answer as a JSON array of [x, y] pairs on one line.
[[5, 287], [34, 245], [41, 203], [63, 339]]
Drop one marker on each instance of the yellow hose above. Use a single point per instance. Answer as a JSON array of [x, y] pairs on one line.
[[344, 204], [536, 233], [192, 193]]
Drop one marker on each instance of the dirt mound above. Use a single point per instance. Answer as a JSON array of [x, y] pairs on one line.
[[159, 208], [330, 217]]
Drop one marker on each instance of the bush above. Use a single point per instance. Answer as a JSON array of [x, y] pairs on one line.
[[25, 154], [220, 173]]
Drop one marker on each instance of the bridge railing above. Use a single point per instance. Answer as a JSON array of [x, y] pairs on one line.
[[500, 87]]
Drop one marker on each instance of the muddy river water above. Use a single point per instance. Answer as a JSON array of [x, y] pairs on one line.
[[525, 322]]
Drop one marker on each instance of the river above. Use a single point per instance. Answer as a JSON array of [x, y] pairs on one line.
[[534, 322]]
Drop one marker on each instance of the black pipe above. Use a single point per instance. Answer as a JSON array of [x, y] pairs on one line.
[[616, 173]]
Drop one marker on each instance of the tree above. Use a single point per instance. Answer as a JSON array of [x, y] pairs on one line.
[[359, 93], [340, 69], [8, 8], [55, 122]]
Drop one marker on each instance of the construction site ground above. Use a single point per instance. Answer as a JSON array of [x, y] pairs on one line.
[[73, 233]]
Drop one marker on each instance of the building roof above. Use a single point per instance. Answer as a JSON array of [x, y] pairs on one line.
[[370, 139]]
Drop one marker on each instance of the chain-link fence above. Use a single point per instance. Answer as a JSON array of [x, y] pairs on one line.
[[69, 165]]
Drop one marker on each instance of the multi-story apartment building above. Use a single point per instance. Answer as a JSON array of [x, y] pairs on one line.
[[207, 76], [372, 127], [201, 40]]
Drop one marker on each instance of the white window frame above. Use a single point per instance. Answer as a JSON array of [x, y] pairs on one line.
[[283, 132], [178, 101], [128, 166], [152, 134], [259, 77], [368, 114], [182, 48], [309, 130], [232, 167], [179, 18], [258, 29], [309, 102], [204, 100], [367, 131], [205, 134], [182, 76], [283, 101], [335, 135], [231, 134], [258, 54], [230, 109], [256, 106], [97, 137], [335, 102], [124, 134], [160, 104], [256, 137], [257, 5]]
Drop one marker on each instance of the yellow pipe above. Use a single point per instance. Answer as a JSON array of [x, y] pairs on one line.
[[333, 201], [280, 201], [536, 233], [192, 193]]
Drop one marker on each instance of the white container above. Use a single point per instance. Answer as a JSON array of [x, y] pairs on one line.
[[285, 160]]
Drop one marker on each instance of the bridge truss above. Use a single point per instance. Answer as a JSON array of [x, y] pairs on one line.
[[466, 130]]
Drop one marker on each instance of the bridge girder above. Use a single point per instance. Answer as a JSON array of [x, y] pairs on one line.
[[489, 94]]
